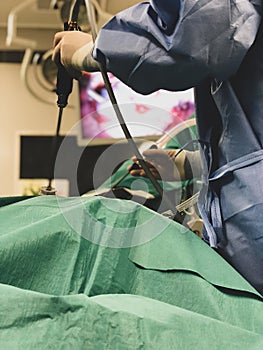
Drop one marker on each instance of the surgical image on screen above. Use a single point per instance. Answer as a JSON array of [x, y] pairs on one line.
[[145, 115]]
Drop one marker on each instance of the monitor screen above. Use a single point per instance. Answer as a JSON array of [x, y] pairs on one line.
[[147, 116]]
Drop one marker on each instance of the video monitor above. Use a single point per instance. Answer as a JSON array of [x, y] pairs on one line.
[[147, 116]]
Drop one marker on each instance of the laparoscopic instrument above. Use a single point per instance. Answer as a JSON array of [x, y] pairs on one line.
[[142, 163], [63, 90]]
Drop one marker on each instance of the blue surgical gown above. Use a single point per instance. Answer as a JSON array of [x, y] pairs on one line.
[[215, 46]]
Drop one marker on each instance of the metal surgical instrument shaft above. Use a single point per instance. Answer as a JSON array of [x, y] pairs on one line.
[[92, 22], [63, 90]]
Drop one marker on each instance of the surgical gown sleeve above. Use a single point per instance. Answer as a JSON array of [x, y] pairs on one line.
[[176, 44]]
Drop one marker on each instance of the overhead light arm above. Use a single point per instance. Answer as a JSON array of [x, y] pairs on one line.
[[12, 37]]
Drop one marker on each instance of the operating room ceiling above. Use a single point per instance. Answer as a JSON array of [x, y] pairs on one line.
[[38, 20], [34, 21]]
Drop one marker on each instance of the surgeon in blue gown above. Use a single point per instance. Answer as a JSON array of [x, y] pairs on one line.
[[215, 46]]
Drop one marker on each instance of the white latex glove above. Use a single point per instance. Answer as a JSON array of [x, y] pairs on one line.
[[73, 49], [162, 165], [165, 166]]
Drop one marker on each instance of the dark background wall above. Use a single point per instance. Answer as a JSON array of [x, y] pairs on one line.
[[75, 164]]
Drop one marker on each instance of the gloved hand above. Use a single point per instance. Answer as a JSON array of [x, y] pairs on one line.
[[73, 49], [162, 165]]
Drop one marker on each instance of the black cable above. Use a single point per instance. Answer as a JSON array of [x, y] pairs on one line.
[[191, 142]]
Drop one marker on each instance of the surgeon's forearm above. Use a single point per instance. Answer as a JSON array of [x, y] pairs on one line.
[[153, 46]]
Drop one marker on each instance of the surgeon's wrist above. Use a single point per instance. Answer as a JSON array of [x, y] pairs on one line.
[[82, 59], [192, 166], [179, 160]]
